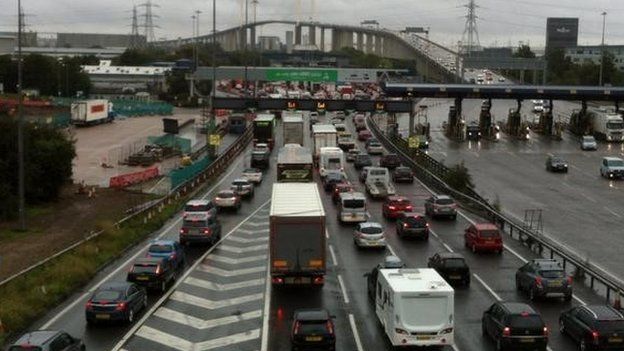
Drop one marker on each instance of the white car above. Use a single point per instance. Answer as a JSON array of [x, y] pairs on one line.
[[588, 142], [369, 234], [253, 175], [227, 199], [242, 187]]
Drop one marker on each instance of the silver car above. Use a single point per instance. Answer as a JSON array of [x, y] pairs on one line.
[[588, 142], [369, 234], [253, 175], [351, 154], [242, 187], [227, 199]]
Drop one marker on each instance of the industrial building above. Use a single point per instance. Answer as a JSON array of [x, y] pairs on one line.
[[124, 81], [593, 53], [93, 40], [269, 43]]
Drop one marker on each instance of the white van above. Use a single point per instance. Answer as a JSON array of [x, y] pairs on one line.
[[415, 307], [331, 159], [352, 208]]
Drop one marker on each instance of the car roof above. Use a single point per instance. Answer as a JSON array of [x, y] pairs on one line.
[[197, 216], [608, 158], [197, 202], [37, 337], [149, 260], [442, 197], [228, 191], [411, 214], [398, 198], [402, 168], [370, 225], [163, 242], [240, 180], [391, 261], [450, 255], [352, 195], [604, 312], [312, 315], [115, 286], [517, 307], [484, 226]]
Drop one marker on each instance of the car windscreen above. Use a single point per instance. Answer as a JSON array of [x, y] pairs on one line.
[[589, 138], [258, 155], [416, 221], [314, 327], [616, 163], [251, 170], [371, 230], [445, 202], [557, 160], [239, 183], [615, 125], [527, 321], [227, 195], [403, 171], [194, 224], [377, 172], [333, 163], [400, 202], [353, 203], [552, 274], [454, 263], [363, 158], [392, 158], [160, 248], [24, 348], [144, 268], [489, 234], [196, 208], [610, 326], [107, 295]]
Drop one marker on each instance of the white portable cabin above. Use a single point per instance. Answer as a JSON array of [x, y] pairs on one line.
[[415, 307]]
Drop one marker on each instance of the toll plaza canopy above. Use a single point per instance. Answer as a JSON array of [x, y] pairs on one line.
[[516, 92]]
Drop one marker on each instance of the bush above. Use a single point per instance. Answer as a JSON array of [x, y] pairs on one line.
[[48, 164], [459, 178]]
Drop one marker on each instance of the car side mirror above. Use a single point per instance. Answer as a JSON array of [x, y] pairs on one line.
[[366, 275]]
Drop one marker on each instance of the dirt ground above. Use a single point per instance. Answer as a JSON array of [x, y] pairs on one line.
[[57, 225]]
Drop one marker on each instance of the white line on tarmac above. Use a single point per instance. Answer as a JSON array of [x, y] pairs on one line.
[[267, 306], [612, 212], [344, 289], [487, 287], [391, 250], [333, 255], [129, 260], [447, 247], [356, 336], [164, 297]]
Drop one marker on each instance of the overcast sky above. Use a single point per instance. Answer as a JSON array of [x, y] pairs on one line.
[[501, 22]]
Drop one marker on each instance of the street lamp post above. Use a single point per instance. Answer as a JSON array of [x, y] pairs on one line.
[[245, 45], [20, 124], [602, 48], [213, 91]]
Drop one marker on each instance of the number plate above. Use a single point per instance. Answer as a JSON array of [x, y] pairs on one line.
[[102, 316], [556, 283], [143, 278], [527, 340], [454, 276], [616, 340], [314, 338], [423, 337]]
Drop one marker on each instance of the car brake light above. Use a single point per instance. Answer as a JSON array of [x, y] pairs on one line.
[[182, 231], [595, 336], [121, 306], [569, 280], [391, 208], [297, 326], [408, 208], [427, 225], [545, 330], [330, 328], [173, 256], [206, 231], [318, 280], [278, 280], [89, 305], [538, 281], [158, 271], [506, 331]]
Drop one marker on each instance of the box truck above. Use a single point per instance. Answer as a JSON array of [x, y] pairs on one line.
[[323, 135], [297, 235], [89, 112], [294, 164], [292, 127]]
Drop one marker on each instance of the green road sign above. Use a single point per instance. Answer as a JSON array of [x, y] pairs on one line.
[[307, 75]]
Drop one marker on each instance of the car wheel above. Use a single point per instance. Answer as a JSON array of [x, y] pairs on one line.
[[582, 345], [561, 327], [130, 316], [426, 238], [454, 217], [474, 248]]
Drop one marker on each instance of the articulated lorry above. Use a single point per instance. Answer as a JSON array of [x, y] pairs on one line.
[[297, 235], [90, 112], [604, 123], [294, 164]]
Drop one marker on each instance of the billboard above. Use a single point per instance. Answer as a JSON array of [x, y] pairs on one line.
[[561, 32]]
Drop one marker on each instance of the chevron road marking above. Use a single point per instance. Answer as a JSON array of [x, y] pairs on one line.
[[198, 323], [246, 241], [229, 260], [223, 287], [212, 305], [254, 231], [235, 249], [185, 345], [257, 224], [230, 273]]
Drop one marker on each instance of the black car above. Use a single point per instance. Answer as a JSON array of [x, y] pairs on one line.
[[544, 278], [260, 159], [594, 327], [115, 302], [389, 262], [313, 329], [473, 131], [152, 273], [514, 325], [403, 175], [45, 340], [556, 164], [451, 266], [390, 161], [412, 225], [331, 179], [362, 160]]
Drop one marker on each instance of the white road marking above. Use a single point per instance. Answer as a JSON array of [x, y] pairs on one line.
[[498, 298], [344, 289], [252, 232], [210, 304], [326, 234], [201, 283], [333, 255], [258, 224], [612, 212], [434, 233], [184, 345], [131, 259], [230, 272], [447, 247], [198, 323], [454, 347], [228, 260], [524, 260], [391, 250], [267, 307], [247, 240], [164, 297], [356, 335], [239, 250]]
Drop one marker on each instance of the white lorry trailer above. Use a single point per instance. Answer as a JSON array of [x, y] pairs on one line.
[[292, 127], [415, 307], [89, 112], [323, 135], [608, 125]]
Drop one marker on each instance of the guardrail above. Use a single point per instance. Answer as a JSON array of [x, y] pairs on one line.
[[431, 172], [215, 168]]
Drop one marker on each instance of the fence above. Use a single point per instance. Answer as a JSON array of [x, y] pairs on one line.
[[179, 176], [129, 108], [431, 173], [171, 142]]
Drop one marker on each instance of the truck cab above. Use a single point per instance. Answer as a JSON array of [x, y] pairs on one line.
[[352, 208], [378, 183], [331, 159]]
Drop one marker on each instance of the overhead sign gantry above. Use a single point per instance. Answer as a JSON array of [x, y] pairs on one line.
[[390, 106]]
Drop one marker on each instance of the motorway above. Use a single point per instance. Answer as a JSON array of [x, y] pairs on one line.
[[579, 208], [224, 300]]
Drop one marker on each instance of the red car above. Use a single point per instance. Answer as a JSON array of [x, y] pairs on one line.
[[339, 189], [483, 237], [395, 205], [364, 135]]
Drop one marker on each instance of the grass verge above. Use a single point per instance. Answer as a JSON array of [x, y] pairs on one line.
[[27, 298]]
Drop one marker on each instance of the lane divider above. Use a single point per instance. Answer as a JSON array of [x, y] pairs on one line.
[[356, 335], [345, 297], [333, 255]]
